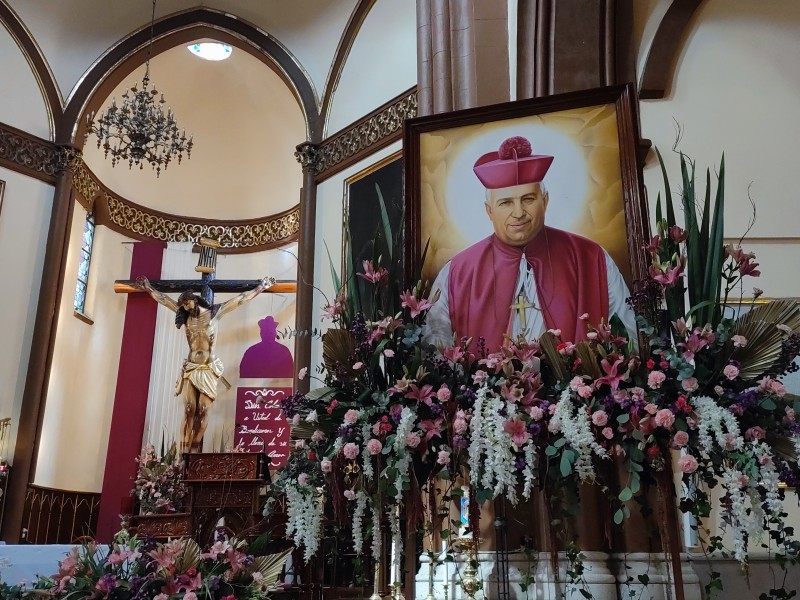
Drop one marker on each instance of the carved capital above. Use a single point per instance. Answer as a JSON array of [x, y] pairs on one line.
[[66, 159], [308, 155]]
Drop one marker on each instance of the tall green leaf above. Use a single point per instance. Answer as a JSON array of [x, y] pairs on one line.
[[387, 226], [716, 250], [694, 265]]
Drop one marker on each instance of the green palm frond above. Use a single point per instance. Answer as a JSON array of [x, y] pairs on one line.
[[764, 340]]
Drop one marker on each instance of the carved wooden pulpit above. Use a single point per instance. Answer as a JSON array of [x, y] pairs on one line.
[[223, 485]]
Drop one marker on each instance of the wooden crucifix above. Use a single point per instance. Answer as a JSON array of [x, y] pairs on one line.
[[199, 316]]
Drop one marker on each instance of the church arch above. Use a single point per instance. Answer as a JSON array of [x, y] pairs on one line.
[[180, 28], [41, 69]]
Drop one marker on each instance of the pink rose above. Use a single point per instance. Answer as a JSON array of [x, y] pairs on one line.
[[479, 376], [302, 479], [719, 390], [665, 418], [687, 463], [444, 393], [326, 465], [459, 426], [739, 341], [730, 371], [318, 436], [599, 418], [350, 451], [374, 446], [350, 495], [608, 433], [680, 439], [575, 382], [689, 384], [655, 379], [443, 458], [536, 413], [351, 416], [412, 440], [358, 365], [585, 391], [388, 353], [651, 408], [755, 433]]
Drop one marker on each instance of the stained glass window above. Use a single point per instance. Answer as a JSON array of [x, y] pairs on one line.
[[83, 267]]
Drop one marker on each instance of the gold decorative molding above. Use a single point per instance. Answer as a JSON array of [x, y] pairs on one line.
[[85, 184], [28, 154], [376, 130], [139, 222]]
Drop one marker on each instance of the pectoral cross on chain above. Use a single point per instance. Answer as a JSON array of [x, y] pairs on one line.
[[521, 306]]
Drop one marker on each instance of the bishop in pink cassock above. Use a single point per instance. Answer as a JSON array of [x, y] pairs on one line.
[[526, 277]]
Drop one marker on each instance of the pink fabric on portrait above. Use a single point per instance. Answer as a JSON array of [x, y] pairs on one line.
[[570, 273]]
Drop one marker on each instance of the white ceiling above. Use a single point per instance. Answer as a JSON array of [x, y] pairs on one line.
[[73, 34], [246, 124], [245, 121]]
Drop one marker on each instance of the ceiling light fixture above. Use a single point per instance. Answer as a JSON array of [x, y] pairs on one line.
[[139, 131], [211, 50]]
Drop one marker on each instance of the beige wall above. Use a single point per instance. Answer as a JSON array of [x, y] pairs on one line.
[[736, 91], [83, 376], [24, 219], [21, 102], [382, 63]]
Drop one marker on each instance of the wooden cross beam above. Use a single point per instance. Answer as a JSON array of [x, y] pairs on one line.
[[221, 286]]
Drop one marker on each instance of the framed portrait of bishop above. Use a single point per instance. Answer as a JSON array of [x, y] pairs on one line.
[[532, 213]]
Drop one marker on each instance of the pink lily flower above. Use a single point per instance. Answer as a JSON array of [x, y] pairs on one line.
[[611, 376], [417, 307], [431, 427], [423, 394], [373, 276], [518, 432], [652, 247]]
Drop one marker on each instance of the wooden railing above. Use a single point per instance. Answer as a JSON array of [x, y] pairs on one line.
[[53, 516]]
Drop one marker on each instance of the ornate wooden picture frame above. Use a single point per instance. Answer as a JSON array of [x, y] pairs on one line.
[[595, 182]]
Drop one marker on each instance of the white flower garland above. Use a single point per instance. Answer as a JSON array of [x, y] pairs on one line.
[[304, 520], [745, 513], [491, 456], [769, 478], [575, 426], [376, 536], [403, 463], [716, 420], [358, 521], [366, 457], [529, 472]]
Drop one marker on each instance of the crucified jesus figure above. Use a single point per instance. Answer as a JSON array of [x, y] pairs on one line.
[[201, 369]]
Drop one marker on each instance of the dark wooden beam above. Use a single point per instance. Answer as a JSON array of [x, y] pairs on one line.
[[220, 286]]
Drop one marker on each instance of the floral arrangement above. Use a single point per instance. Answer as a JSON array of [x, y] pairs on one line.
[[701, 386], [130, 568], [159, 487]]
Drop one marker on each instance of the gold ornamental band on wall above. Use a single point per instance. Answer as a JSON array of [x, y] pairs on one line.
[[269, 232]]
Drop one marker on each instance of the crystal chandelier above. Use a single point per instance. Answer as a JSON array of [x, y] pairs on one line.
[[139, 131]]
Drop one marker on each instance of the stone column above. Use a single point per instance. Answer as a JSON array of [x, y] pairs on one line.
[[307, 155], [44, 334]]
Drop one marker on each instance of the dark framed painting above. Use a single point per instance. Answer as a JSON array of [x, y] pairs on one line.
[[2, 189], [373, 223], [581, 151]]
